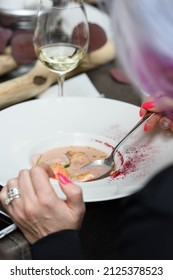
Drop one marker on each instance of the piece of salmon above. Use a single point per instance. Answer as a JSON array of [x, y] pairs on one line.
[[58, 168]]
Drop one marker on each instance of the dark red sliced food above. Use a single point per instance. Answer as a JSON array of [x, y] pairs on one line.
[[22, 47], [118, 75], [78, 35], [5, 36], [98, 37]]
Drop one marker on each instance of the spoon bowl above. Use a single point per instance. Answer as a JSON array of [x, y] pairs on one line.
[[108, 164]]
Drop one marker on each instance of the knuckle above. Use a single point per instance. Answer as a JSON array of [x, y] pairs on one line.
[[11, 182], [35, 171], [76, 191], [23, 172], [46, 201], [29, 212]]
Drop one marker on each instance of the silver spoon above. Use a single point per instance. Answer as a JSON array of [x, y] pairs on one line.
[[109, 161]]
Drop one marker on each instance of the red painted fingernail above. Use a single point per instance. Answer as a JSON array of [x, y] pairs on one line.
[[63, 179], [145, 128], [140, 113], [148, 105]]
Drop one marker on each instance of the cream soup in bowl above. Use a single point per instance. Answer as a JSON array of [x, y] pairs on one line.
[[68, 160]]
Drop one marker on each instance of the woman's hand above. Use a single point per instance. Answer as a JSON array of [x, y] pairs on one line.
[[161, 119], [38, 211]]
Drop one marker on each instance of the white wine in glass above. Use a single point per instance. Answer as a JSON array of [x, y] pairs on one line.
[[61, 36]]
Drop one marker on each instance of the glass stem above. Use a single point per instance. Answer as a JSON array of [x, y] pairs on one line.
[[61, 79]]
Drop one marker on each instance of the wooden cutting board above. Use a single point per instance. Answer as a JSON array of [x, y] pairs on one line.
[[40, 78]]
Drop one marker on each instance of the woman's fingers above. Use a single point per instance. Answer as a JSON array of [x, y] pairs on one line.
[[15, 207], [151, 123], [166, 102], [163, 121], [4, 196], [38, 211], [48, 170], [73, 193], [41, 183], [32, 185], [25, 184]]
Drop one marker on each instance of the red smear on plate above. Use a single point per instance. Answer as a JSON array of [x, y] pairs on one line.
[[137, 162]]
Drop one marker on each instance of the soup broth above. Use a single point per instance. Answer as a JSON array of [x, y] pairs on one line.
[[68, 161]]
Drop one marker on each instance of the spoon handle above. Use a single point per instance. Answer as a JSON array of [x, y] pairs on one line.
[[144, 119]]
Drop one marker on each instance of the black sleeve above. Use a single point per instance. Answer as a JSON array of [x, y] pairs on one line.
[[63, 245], [147, 222]]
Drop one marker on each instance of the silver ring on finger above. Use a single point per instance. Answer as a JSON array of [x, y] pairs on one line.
[[13, 192], [8, 201]]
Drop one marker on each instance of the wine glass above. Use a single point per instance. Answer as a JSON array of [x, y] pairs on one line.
[[61, 36]]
